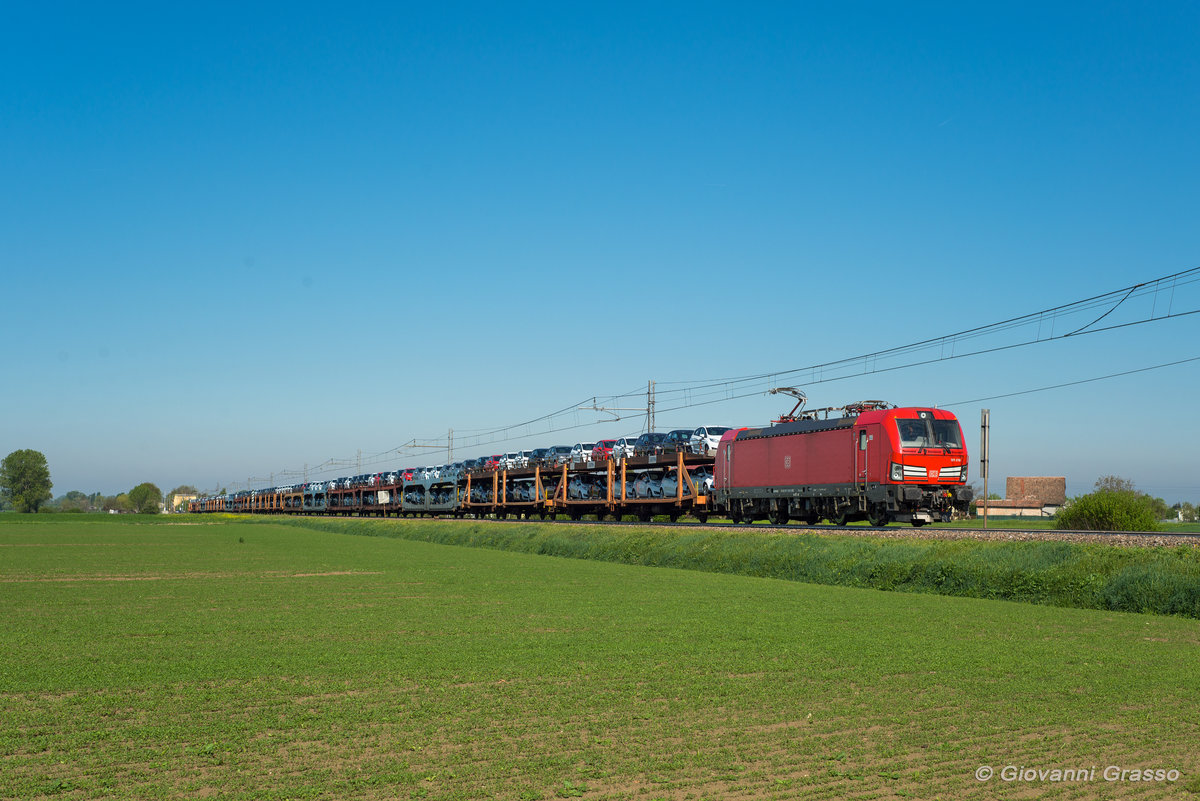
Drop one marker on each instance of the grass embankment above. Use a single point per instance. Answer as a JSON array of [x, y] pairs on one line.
[[1089, 576], [243, 661]]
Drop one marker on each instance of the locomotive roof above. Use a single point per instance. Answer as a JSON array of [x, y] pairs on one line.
[[797, 427], [806, 426]]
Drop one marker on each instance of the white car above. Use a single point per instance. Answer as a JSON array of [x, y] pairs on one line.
[[582, 451], [624, 448], [669, 484], [509, 460], [705, 439], [648, 484]]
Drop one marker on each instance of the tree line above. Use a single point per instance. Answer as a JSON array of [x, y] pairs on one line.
[[25, 486]]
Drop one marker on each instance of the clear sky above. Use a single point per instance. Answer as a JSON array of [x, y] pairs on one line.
[[238, 239]]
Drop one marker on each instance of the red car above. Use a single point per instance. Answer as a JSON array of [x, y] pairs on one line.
[[492, 462], [603, 450]]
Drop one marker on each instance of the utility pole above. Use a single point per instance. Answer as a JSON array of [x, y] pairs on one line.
[[650, 406], [985, 424]]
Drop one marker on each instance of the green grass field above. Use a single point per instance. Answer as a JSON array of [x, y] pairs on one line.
[[249, 660]]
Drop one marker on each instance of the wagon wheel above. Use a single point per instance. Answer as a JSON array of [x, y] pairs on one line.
[[674, 516], [576, 514], [644, 515], [702, 517]]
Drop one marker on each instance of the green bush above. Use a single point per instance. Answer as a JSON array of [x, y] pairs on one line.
[[1107, 510], [1153, 588]]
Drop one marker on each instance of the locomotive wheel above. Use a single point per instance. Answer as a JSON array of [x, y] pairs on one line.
[[779, 517], [813, 517], [880, 518], [843, 517], [735, 514]]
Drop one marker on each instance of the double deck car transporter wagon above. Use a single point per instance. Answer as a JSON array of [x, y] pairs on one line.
[[669, 484]]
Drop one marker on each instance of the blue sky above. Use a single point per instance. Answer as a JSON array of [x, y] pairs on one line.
[[236, 240]]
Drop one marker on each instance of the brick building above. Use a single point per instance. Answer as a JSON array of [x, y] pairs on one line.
[[1028, 496]]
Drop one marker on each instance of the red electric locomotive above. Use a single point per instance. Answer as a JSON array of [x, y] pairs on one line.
[[872, 462]]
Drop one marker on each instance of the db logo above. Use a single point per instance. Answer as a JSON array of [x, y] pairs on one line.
[[787, 462]]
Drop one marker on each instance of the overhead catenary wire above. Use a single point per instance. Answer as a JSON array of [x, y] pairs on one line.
[[677, 395], [1072, 383]]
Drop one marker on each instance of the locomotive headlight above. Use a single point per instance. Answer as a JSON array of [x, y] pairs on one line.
[[963, 477], [897, 472]]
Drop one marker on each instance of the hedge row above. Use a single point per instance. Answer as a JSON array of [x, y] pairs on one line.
[[1162, 581]]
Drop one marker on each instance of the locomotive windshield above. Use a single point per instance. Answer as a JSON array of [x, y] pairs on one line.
[[946, 434], [928, 433]]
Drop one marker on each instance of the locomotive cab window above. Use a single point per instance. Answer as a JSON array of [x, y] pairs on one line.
[[946, 434], [929, 433], [913, 433]]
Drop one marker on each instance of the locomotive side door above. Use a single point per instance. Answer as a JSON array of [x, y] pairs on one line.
[[862, 442]]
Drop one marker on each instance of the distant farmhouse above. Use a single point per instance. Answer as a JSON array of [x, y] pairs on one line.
[[179, 502], [1028, 496]]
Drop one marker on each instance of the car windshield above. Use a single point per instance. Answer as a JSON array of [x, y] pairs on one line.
[[716, 430]]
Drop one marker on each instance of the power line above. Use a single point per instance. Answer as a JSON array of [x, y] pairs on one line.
[[691, 394], [1074, 383]]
